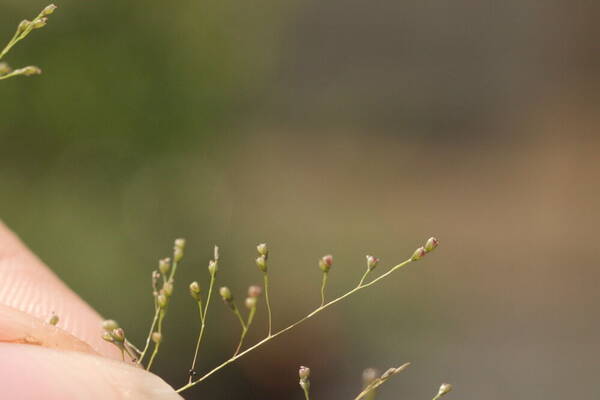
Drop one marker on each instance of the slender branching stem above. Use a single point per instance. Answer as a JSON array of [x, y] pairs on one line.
[[292, 326], [266, 283], [202, 323], [364, 277], [161, 317], [245, 329], [323, 286], [152, 326]]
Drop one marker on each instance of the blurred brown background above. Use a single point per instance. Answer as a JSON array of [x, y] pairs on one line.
[[348, 127]]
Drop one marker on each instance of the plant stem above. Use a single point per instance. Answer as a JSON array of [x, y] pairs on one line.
[[245, 330], [282, 331], [161, 316], [266, 281], [364, 277], [306, 396], [203, 323], [147, 346], [323, 285]]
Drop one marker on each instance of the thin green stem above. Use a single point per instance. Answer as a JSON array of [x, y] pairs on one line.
[[266, 282], [203, 323], [364, 277], [306, 396], [245, 329], [323, 285], [161, 316], [292, 326], [147, 345]]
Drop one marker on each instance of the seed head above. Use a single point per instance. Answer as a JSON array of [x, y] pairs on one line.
[[167, 289], [23, 25], [30, 70], [118, 335], [39, 23], [164, 265], [178, 249], [262, 250], [431, 244], [304, 372], [226, 294], [254, 291], [156, 337], [418, 254], [48, 10], [325, 263], [110, 325], [195, 290], [445, 388], [212, 267], [251, 302], [372, 262], [261, 263], [162, 300], [369, 375], [4, 68]]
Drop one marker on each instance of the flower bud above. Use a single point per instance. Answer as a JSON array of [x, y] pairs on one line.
[[4, 68], [444, 389], [108, 337], [372, 262], [254, 291], [304, 373], [418, 254], [118, 334], [167, 288], [226, 294], [195, 290], [369, 375], [39, 23], [177, 254], [110, 325], [262, 250], [212, 267], [156, 337], [431, 244], [48, 10], [162, 300], [29, 70], [325, 263], [164, 265], [178, 249], [261, 263], [388, 373], [23, 25], [216, 253], [251, 302]]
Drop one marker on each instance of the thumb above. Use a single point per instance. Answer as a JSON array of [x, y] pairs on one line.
[[36, 372], [66, 361]]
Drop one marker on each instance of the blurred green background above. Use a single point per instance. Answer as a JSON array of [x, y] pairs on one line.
[[341, 127]]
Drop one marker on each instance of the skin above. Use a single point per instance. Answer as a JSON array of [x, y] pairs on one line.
[[64, 362]]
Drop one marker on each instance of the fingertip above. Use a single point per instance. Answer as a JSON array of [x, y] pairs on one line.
[[34, 372]]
